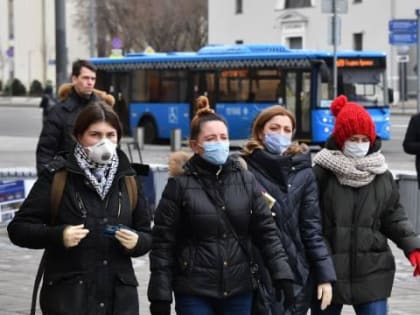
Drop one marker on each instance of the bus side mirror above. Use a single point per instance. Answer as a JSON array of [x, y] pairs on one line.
[[390, 95]]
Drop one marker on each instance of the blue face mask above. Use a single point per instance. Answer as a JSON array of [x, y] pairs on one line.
[[215, 152], [276, 143]]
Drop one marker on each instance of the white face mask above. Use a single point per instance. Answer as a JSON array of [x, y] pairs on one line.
[[102, 152], [355, 149]]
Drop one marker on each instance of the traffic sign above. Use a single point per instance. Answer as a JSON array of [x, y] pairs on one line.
[[403, 58], [402, 38], [403, 26]]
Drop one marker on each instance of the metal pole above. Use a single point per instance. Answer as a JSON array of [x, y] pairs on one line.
[[418, 59], [11, 46], [92, 28], [334, 35], [44, 44], [60, 43]]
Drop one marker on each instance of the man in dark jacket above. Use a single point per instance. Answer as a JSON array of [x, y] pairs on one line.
[[55, 136], [411, 142]]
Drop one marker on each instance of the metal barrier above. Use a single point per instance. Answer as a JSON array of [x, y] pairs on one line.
[[410, 197], [176, 137], [154, 184]]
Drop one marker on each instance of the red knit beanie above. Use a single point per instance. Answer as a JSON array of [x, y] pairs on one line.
[[351, 119]]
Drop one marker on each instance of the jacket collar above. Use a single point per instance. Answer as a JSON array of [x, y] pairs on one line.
[[273, 166], [199, 167], [77, 100]]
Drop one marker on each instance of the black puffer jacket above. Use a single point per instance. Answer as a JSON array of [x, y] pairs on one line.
[[411, 143], [97, 276], [290, 180], [194, 252], [357, 224], [56, 132]]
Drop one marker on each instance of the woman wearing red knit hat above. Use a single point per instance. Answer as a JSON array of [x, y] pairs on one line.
[[361, 211]]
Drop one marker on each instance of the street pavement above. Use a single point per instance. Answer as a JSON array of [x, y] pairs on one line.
[[18, 265]]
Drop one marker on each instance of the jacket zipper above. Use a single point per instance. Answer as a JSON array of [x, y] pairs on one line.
[[81, 205]]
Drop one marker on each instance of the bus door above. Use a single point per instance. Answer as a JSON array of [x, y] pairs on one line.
[[200, 83], [298, 101]]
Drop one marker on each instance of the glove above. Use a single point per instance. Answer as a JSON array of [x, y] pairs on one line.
[[414, 258], [285, 287], [160, 308]]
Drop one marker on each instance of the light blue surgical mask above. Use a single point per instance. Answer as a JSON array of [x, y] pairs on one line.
[[276, 143], [215, 152]]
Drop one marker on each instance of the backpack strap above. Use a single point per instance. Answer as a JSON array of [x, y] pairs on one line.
[[130, 182], [57, 189]]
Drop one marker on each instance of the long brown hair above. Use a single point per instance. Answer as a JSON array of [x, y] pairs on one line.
[[259, 123], [203, 114]]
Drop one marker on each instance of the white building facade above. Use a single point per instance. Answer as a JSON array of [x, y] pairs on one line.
[[302, 24], [31, 33]]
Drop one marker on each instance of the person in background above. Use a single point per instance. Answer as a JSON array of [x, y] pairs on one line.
[[92, 235], [55, 139], [361, 210], [47, 102], [207, 215], [411, 143], [284, 173]]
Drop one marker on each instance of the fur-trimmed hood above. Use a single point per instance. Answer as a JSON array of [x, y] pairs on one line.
[[64, 91], [177, 161]]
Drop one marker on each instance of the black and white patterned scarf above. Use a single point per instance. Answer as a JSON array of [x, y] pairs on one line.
[[100, 176], [350, 171]]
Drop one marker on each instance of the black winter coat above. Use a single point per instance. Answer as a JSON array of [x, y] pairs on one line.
[[97, 276], [411, 142], [290, 180], [357, 224], [57, 129], [194, 252]]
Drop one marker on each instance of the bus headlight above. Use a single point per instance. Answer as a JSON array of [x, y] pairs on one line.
[[327, 130]]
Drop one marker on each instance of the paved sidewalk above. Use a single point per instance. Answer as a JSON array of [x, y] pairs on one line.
[[18, 268]]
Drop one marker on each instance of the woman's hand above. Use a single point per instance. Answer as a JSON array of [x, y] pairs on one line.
[[127, 238], [324, 294], [73, 234]]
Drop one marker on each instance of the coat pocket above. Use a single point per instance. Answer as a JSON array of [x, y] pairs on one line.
[[126, 298], [64, 294]]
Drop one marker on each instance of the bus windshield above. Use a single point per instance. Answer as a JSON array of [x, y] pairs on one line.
[[364, 86]]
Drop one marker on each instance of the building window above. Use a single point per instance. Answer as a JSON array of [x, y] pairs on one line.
[[295, 42], [358, 41], [239, 9], [239, 41], [357, 1], [291, 4]]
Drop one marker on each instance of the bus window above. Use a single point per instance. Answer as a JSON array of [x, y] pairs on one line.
[[140, 92], [266, 86], [234, 86], [365, 86]]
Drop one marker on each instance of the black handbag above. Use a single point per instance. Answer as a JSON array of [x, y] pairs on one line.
[[261, 299]]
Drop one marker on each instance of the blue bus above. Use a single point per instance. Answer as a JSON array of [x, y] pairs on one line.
[[156, 91]]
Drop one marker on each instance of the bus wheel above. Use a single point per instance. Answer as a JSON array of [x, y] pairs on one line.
[[150, 132]]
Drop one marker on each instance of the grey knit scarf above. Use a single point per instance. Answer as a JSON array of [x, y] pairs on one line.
[[350, 171]]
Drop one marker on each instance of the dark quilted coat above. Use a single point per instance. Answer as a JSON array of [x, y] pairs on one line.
[[357, 225], [194, 252], [290, 180]]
